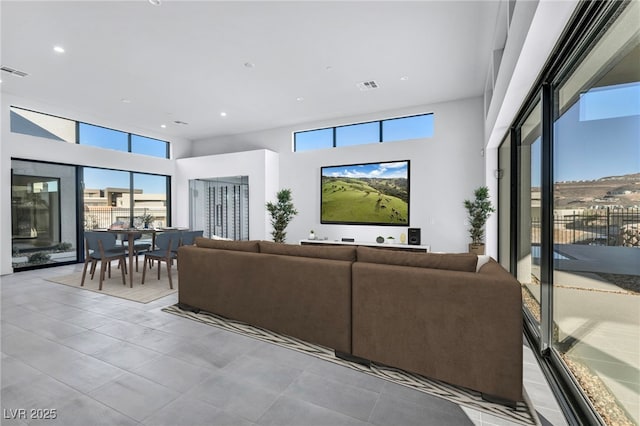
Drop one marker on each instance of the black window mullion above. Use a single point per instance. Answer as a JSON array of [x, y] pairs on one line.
[[131, 195], [546, 219]]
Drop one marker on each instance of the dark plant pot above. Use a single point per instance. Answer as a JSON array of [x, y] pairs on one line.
[[476, 248]]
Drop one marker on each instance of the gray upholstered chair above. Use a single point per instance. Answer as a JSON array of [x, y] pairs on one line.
[[166, 243], [101, 246]]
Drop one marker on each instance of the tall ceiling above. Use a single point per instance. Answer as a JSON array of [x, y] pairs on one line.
[[266, 64]]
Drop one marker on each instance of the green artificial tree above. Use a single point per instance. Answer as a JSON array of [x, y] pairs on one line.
[[478, 211], [282, 213]]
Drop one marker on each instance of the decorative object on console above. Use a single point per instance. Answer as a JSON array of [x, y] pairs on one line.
[[348, 240], [380, 239], [478, 211], [282, 213], [365, 194], [312, 235], [391, 240], [403, 238], [414, 236]]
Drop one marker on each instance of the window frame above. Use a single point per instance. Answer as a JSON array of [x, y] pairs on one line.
[[380, 123]]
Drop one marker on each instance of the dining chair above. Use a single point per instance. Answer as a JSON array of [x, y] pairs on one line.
[[138, 248], [101, 246], [187, 238], [166, 242]]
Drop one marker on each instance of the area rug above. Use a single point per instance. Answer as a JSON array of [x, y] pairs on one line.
[[151, 290], [521, 414]]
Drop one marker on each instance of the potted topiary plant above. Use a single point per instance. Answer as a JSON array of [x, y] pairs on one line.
[[282, 212], [478, 211]]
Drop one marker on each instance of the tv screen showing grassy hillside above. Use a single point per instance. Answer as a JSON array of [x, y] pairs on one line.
[[366, 194]]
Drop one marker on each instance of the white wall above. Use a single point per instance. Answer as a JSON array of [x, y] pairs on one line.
[[260, 165], [535, 29], [444, 171], [27, 147]]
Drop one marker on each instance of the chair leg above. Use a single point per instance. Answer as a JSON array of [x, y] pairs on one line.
[[144, 269], [109, 268], [103, 269], [169, 274], [159, 267], [84, 271], [124, 266], [94, 263]]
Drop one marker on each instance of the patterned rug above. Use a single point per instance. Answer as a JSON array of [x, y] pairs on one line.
[[521, 414]]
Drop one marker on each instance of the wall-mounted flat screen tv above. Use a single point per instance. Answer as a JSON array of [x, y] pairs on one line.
[[365, 194]]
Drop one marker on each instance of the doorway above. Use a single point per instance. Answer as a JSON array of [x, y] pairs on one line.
[[220, 206]]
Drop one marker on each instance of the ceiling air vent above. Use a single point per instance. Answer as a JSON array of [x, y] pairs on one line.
[[14, 71], [367, 85], [182, 123]]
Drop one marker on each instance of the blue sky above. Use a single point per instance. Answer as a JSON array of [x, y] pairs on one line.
[[378, 170], [103, 178], [598, 136], [116, 140]]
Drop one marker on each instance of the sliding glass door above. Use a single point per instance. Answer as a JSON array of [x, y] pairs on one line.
[[596, 272], [43, 214], [577, 236]]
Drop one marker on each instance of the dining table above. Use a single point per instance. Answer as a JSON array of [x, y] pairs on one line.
[[131, 233]]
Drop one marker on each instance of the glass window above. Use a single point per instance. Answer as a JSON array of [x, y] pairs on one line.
[[416, 127], [393, 129], [108, 201], [42, 125], [106, 198], [103, 137], [358, 134], [313, 139], [596, 229], [530, 192], [43, 214], [149, 146], [149, 200]]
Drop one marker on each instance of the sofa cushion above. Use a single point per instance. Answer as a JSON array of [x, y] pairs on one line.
[[251, 246], [465, 262], [324, 252]]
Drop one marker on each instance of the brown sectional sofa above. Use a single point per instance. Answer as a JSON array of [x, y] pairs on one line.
[[426, 313]]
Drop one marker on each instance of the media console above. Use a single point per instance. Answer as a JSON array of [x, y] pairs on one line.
[[406, 247]]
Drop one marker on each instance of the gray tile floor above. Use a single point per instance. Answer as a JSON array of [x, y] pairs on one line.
[[99, 360]]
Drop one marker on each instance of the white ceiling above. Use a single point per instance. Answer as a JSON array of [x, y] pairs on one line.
[[185, 60]]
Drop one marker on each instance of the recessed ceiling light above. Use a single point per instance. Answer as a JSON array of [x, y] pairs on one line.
[[164, 126], [328, 68], [125, 101], [223, 114], [249, 65], [58, 49], [299, 99], [155, 2], [404, 78]]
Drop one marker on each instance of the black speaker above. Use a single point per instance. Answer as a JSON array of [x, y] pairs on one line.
[[414, 236]]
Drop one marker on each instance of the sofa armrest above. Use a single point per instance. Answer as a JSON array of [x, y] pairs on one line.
[[464, 328]]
